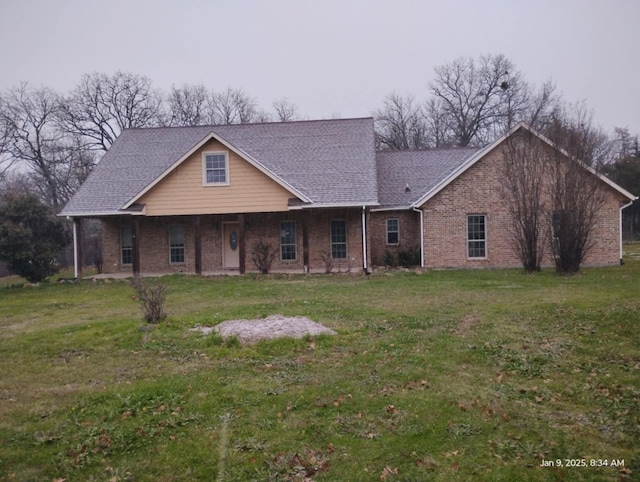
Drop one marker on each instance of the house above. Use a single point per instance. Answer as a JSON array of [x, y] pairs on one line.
[[197, 199]]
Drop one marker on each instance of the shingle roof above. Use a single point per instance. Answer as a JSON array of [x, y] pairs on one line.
[[405, 176], [327, 161]]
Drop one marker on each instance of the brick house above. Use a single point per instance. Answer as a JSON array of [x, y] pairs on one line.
[[197, 199]]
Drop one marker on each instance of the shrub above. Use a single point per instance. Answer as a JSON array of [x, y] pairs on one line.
[[409, 257], [30, 237], [263, 254], [152, 300], [389, 259], [326, 258]]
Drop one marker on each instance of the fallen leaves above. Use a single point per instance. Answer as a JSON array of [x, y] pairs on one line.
[[387, 471]]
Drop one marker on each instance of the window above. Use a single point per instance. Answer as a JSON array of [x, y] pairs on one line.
[[338, 239], [476, 236], [393, 231], [215, 168], [288, 241], [126, 244], [561, 226], [176, 243]]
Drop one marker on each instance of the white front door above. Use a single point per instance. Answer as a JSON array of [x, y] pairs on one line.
[[230, 242]]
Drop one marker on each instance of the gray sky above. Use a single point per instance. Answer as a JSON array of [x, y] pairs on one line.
[[328, 56]]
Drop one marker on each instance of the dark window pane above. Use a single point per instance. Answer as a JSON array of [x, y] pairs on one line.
[[288, 241], [338, 239]]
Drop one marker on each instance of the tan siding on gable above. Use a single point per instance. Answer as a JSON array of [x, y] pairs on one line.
[[182, 191]]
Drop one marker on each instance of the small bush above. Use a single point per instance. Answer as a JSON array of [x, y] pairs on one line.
[[389, 259], [326, 258], [152, 300], [409, 257], [263, 254]]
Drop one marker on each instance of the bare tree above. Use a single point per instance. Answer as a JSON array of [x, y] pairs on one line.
[[55, 163], [102, 105], [471, 95], [35, 141], [399, 124], [5, 135], [285, 110], [189, 105], [523, 192], [233, 106], [571, 128], [553, 199], [437, 124], [576, 199]]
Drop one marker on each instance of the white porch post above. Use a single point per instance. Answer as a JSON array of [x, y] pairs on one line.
[[364, 240], [421, 213], [75, 248]]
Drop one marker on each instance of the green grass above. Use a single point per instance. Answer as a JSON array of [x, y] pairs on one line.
[[448, 375]]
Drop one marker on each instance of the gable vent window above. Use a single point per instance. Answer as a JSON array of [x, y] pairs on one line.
[[215, 168]]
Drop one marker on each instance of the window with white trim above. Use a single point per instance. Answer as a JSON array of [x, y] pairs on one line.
[[476, 236], [339, 239], [126, 244], [176, 243], [288, 241], [215, 168], [393, 231]]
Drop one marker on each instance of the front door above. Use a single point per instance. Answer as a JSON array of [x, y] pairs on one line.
[[230, 241]]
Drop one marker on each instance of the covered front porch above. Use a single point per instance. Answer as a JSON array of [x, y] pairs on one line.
[[300, 241]]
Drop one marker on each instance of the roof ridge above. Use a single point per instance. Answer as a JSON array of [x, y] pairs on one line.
[[213, 126], [430, 149]]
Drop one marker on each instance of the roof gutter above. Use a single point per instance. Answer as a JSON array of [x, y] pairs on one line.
[[620, 229], [421, 213], [365, 267], [329, 205]]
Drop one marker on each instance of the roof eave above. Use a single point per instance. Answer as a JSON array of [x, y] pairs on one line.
[[482, 152], [95, 214], [392, 208], [333, 205]]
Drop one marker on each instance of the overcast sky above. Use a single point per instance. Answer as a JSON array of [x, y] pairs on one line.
[[329, 57]]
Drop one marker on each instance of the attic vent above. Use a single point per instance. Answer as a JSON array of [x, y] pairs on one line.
[[407, 189]]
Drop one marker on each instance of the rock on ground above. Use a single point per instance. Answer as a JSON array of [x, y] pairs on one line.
[[274, 326]]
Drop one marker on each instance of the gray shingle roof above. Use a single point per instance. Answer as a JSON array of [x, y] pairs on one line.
[[328, 161], [419, 170]]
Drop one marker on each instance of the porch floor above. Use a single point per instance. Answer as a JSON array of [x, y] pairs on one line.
[[212, 273]]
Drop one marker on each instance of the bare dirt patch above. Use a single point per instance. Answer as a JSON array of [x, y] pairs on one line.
[[271, 327], [466, 324]]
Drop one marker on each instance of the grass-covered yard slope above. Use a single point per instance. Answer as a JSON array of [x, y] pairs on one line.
[[448, 375]]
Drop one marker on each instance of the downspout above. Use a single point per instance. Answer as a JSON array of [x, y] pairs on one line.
[[421, 212], [364, 240], [621, 208], [75, 248]]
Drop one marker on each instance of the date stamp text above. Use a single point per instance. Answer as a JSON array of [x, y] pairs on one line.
[[582, 463]]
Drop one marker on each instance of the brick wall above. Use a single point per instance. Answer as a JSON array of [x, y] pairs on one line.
[[408, 235], [477, 191]]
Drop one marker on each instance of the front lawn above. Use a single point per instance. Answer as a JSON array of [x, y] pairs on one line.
[[447, 375]]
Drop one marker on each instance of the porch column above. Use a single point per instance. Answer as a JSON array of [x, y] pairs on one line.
[[305, 243], [198, 244], [365, 265], [242, 249], [77, 248], [135, 247]]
